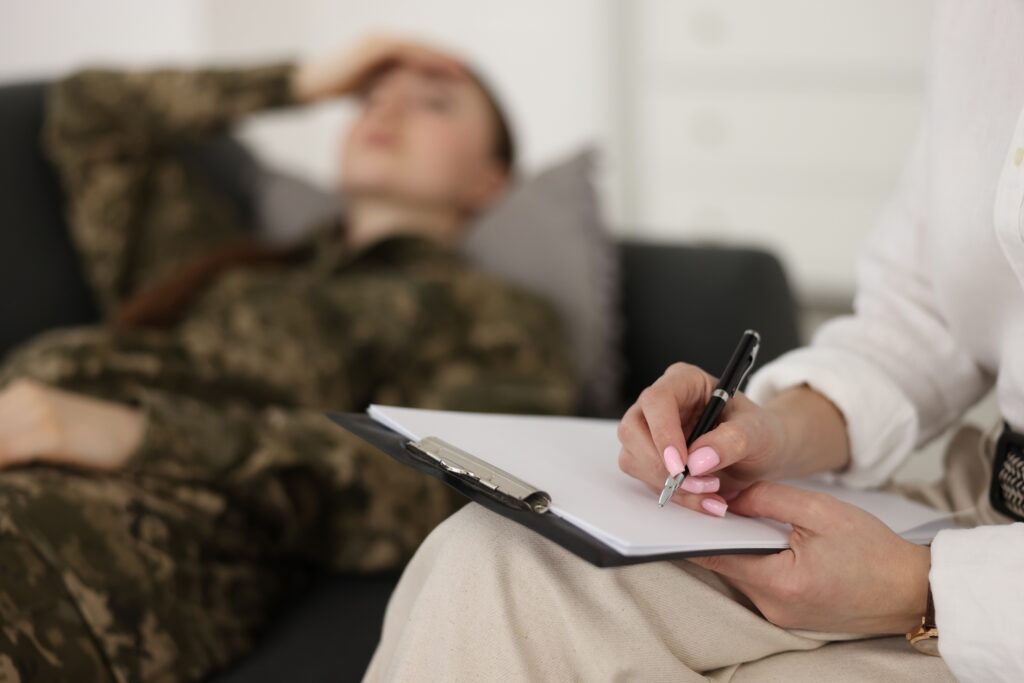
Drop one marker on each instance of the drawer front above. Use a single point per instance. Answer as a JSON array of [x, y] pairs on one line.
[[877, 34]]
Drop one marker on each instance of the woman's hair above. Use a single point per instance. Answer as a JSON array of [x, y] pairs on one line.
[[504, 149]]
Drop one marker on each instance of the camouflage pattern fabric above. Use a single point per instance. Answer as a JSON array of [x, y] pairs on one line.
[[168, 569]]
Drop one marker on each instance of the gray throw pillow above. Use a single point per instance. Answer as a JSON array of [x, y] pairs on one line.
[[288, 207], [548, 235]]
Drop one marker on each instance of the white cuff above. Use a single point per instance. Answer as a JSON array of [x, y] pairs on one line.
[[881, 423], [976, 579]]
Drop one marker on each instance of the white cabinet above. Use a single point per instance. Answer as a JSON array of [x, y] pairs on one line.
[[780, 123]]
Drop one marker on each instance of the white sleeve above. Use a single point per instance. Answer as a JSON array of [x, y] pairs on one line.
[[976, 582], [893, 368]]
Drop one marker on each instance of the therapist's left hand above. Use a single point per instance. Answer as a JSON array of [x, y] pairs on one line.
[[845, 570]]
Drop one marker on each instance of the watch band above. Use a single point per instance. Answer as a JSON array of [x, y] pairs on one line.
[[929, 612], [925, 638]]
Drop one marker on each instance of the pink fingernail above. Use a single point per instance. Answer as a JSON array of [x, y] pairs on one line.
[[714, 506], [673, 461], [700, 484], [703, 460]]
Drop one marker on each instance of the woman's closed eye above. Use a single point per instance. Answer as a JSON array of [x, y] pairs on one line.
[[435, 101], [439, 102]]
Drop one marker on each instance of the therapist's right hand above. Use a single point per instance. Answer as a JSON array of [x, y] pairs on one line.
[[747, 445]]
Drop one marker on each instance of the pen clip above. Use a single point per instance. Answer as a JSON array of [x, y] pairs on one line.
[[751, 358]]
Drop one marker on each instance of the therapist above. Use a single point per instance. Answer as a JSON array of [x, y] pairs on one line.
[[939, 320]]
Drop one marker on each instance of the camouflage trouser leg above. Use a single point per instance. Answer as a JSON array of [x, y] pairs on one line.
[[43, 637], [172, 570], [109, 578], [101, 576]]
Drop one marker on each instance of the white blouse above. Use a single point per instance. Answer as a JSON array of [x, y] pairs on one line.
[[939, 318]]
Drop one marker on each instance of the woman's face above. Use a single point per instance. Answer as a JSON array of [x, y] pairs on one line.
[[426, 139]]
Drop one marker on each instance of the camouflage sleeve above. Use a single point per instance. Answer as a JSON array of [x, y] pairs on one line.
[[114, 137], [516, 361], [97, 115], [335, 501], [347, 505]]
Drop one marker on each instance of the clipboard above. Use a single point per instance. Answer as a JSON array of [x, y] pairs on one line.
[[501, 492]]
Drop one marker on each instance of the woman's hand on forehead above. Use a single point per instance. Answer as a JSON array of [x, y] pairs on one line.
[[353, 70]]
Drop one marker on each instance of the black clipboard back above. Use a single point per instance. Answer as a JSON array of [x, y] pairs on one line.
[[527, 506]]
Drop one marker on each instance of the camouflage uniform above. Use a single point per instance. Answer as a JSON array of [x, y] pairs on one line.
[[165, 570]]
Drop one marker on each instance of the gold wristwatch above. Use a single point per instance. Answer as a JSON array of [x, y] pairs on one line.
[[925, 638]]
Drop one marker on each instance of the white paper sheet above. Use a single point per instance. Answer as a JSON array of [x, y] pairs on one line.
[[575, 460]]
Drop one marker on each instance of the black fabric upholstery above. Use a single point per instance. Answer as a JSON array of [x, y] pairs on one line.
[[40, 277], [327, 636], [692, 303], [679, 303]]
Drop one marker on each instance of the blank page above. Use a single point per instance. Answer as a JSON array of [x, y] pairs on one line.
[[575, 460]]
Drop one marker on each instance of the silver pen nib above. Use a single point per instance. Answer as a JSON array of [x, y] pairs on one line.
[[671, 485]]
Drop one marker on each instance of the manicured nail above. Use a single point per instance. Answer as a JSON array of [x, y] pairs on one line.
[[703, 460], [700, 484], [673, 462], [714, 506]]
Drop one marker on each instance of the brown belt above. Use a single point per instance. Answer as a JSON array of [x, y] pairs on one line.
[[1007, 489]]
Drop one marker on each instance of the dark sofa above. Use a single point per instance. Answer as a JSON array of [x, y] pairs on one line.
[[330, 633]]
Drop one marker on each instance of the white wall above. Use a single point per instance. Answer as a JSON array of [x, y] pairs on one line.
[[548, 60], [44, 37]]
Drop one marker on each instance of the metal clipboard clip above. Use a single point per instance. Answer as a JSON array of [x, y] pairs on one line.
[[469, 467]]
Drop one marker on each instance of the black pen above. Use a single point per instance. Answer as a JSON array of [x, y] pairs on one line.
[[735, 372]]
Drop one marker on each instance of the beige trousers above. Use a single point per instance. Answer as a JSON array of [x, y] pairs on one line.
[[485, 599]]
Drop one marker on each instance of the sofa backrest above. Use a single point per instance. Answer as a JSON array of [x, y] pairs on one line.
[[692, 303]]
